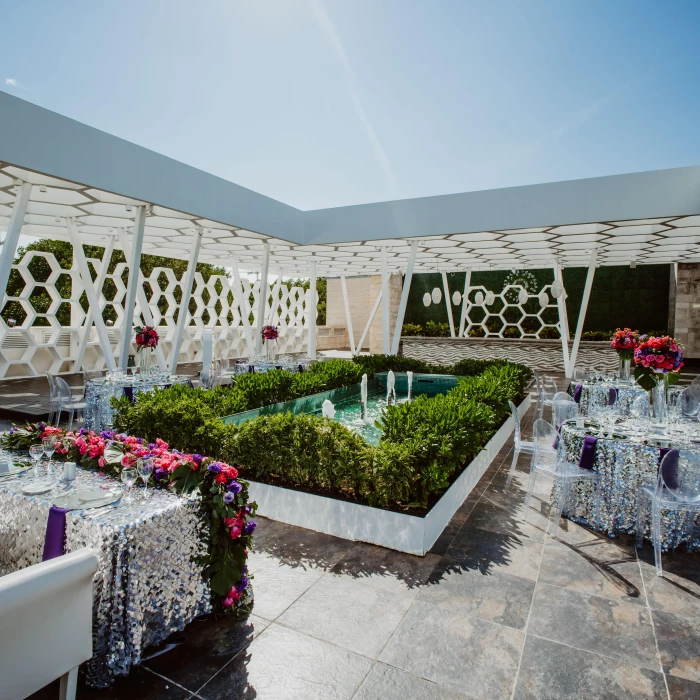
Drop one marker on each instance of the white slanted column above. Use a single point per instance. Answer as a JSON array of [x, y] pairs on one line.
[[91, 293], [404, 297], [348, 317], [465, 302], [184, 312], [262, 298], [141, 296], [375, 308], [385, 303], [240, 298], [99, 282], [14, 227], [448, 303], [311, 302], [584, 308], [563, 321], [134, 261], [207, 350]]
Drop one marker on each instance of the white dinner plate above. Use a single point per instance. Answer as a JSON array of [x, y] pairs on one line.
[[9, 469], [35, 487], [82, 499]]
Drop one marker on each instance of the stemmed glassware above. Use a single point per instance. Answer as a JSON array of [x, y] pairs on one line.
[[129, 476], [36, 452], [145, 469], [48, 445]]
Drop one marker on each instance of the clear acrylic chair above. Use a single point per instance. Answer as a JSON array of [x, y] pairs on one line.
[[66, 402], [548, 460], [696, 381], [53, 398], [546, 390], [563, 408], [677, 490], [519, 445], [689, 401], [581, 373]]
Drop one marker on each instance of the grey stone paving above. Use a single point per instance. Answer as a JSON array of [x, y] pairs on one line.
[[496, 611]]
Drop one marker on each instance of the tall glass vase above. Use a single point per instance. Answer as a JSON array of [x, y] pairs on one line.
[[624, 370], [658, 404], [270, 350], [145, 355]]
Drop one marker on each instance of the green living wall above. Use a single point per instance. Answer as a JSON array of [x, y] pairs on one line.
[[621, 296]]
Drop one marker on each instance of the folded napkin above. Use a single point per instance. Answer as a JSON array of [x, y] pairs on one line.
[[670, 466], [129, 393], [577, 393], [54, 541], [588, 452], [612, 396], [555, 444], [301, 368]]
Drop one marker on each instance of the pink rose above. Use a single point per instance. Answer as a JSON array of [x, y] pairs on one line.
[[101, 462]]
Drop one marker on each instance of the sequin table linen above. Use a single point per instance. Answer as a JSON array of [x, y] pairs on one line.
[[99, 393], [597, 394], [149, 583], [623, 466]]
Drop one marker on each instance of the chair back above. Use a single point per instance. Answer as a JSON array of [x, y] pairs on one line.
[[52, 386], [689, 401], [46, 622], [544, 454], [581, 373], [640, 407], [679, 474], [63, 392], [696, 381], [563, 408], [549, 387], [516, 423]]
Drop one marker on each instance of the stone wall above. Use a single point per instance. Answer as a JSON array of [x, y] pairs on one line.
[[686, 316]]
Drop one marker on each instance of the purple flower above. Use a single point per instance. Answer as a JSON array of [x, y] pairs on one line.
[[249, 529], [152, 445], [121, 436], [12, 430], [248, 509], [214, 468], [160, 474], [41, 426], [235, 487], [140, 441], [83, 431], [228, 497], [107, 434], [197, 459], [241, 585]]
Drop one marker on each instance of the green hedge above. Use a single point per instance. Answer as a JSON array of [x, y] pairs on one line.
[[425, 443]]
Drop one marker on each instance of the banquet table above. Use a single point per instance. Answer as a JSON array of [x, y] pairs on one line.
[[593, 394], [624, 463], [149, 583], [99, 393]]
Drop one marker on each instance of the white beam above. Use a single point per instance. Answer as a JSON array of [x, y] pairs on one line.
[[183, 314], [448, 303], [465, 302], [404, 297], [311, 303], [144, 306], [369, 322], [385, 303], [563, 322], [240, 298], [89, 287], [99, 283], [262, 298], [14, 228], [134, 261], [348, 318], [584, 307]]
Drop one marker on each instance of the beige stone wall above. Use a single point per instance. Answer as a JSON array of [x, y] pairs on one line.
[[687, 308], [332, 338], [376, 338]]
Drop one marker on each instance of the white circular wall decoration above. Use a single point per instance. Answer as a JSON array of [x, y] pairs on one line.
[[557, 289], [543, 299], [490, 298], [456, 298], [426, 299], [479, 298], [522, 297], [436, 295]]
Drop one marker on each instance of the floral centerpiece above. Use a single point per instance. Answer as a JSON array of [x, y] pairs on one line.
[[146, 340], [269, 334], [623, 342], [658, 363], [224, 495]]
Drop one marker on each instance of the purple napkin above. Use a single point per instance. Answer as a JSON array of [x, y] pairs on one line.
[[129, 393], [588, 452], [577, 393], [251, 369], [612, 396], [669, 467], [54, 541], [301, 368], [555, 444]]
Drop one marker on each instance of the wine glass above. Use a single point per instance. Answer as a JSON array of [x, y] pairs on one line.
[[48, 445], [36, 452], [145, 469], [129, 476]]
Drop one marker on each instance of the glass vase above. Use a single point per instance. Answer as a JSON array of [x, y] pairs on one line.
[[270, 350], [624, 370], [658, 404], [145, 356]]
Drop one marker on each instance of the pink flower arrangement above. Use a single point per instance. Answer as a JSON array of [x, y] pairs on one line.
[[146, 337], [270, 333], [660, 355], [624, 341]]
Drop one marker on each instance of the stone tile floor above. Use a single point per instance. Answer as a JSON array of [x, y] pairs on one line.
[[496, 610]]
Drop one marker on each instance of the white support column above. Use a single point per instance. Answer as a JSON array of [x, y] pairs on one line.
[[93, 300], [385, 303], [275, 299], [262, 298], [99, 283], [141, 296], [240, 298], [465, 302], [312, 302], [134, 261], [404, 297], [14, 227], [584, 307], [563, 322], [375, 308], [183, 314], [448, 303], [348, 318]]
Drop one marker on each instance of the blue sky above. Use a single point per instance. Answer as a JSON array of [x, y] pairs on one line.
[[325, 103]]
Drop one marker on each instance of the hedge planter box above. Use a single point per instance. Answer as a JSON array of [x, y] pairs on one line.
[[405, 533]]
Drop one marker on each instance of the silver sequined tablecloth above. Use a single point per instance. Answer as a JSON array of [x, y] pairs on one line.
[[149, 582], [597, 394]]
